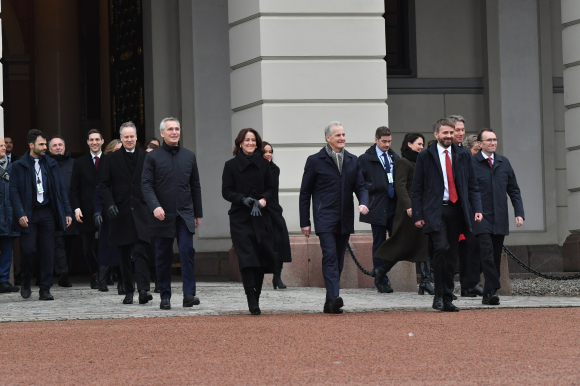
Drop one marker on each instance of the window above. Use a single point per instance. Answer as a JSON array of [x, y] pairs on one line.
[[399, 19]]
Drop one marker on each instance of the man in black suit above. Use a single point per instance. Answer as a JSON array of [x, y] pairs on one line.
[[445, 194], [330, 178], [497, 180], [84, 181], [468, 250], [130, 217], [40, 206], [377, 166], [9, 147]]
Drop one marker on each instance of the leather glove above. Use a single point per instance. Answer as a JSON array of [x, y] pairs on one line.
[[248, 201], [256, 209], [98, 220], [113, 211]]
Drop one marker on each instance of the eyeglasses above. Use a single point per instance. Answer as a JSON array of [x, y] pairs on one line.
[[491, 140]]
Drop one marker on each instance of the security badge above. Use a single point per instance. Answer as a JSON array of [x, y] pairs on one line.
[[390, 177], [39, 187]]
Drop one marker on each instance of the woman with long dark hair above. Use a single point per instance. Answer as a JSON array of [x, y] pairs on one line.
[[247, 184], [281, 238], [408, 243]]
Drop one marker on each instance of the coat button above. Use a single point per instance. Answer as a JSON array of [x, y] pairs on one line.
[[131, 208]]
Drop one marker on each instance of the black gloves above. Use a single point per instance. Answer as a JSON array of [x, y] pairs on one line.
[[98, 220], [113, 211], [254, 204]]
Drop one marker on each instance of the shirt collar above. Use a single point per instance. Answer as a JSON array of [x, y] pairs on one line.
[[132, 151], [441, 149], [98, 155], [486, 157], [380, 152]]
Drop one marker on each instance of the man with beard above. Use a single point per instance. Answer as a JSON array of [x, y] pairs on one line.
[[130, 217], [445, 193], [63, 243], [7, 233], [40, 204]]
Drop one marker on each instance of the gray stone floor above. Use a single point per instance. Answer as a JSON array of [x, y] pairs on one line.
[[227, 298]]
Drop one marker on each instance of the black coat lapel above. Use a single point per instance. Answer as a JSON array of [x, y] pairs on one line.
[[120, 159]]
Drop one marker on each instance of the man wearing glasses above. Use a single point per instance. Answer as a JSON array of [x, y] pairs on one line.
[[497, 180]]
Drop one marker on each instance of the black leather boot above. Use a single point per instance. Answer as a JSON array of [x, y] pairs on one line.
[[425, 285], [379, 275], [253, 302], [277, 280]]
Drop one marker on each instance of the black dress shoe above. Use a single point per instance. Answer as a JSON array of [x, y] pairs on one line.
[[448, 306], [336, 304], [121, 289], [165, 304], [491, 298], [63, 280], [25, 291], [45, 295], [190, 300], [144, 297], [438, 302], [472, 292], [385, 288], [128, 298], [94, 282], [465, 293], [7, 287], [103, 286], [453, 297]]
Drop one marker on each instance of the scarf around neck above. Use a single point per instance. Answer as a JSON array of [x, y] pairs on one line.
[[3, 165], [338, 158], [410, 155]]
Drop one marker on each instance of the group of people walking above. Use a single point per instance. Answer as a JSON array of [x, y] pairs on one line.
[[419, 205]]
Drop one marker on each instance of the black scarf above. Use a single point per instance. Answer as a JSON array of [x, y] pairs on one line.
[[171, 149], [59, 157], [411, 155], [249, 155]]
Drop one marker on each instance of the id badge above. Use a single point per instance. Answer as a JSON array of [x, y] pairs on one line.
[[390, 177], [39, 188]]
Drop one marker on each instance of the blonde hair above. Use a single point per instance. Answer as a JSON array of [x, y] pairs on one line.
[[111, 146]]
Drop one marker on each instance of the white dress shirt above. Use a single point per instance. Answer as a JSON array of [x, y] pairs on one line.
[[98, 155], [442, 159], [486, 157], [39, 196]]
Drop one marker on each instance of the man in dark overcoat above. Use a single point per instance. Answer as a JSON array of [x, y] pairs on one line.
[[172, 192], [377, 166], [445, 194], [40, 206], [120, 187], [497, 181], [63, 243], [85, 178], [330, 178]]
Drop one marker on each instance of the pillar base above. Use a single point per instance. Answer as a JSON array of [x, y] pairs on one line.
[[571, 253]]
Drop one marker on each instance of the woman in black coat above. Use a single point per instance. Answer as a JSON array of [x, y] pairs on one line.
[[247, 183], [408, 243], [281, 237]]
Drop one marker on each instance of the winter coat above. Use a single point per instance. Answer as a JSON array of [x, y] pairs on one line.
[[495, 185], [6, 215], [281, 237], [171, 181], [121, 188], [65, 167], [84, 182], [428, 187], [331, 193], [23, 186], [250, 177], [108, 254], [376, 183]]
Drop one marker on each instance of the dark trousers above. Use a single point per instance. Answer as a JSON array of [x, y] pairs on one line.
[[380, 233], [333, 247], [139, 251], [164, 259], [89, 244], [490, 248], [469, 261], [252, 279], [6, 245], [63, 250], [41, 226], [445, 243]]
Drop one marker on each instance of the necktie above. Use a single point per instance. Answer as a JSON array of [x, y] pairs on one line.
[[450, 181], [96, 163], [490, 162], [390, 189]]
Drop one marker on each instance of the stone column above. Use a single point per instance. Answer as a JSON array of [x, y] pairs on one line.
[[571, 54]]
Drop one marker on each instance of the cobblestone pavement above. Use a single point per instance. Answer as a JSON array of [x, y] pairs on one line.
[[227, 298]]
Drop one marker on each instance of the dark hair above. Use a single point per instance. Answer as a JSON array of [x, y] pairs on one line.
[[264, 144], [442, 122], [430, 142], [242, 135], [56, 137], [148, 142], [483, 131], [34, 134], [152, 146], [94, 131], [410, 137], [382, 132]]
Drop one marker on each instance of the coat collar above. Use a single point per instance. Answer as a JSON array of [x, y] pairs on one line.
[[347, 157], [497, 159], [243, 162], [123, 163]]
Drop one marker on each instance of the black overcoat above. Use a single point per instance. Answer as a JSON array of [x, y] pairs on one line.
[[495, 185], [84, 182], [331, 193], [281, 237], [108, 254], [428, 187], [376, 183], [65, 167], [122, 189], [171, 181], [250, 177]]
